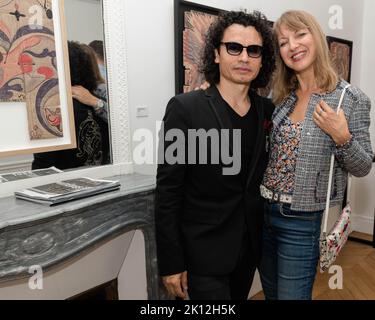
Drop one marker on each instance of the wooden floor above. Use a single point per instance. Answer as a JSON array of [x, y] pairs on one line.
[[358, 263]]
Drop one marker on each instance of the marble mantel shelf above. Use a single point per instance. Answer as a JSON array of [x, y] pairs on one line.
[[35, 234], [15, 211]]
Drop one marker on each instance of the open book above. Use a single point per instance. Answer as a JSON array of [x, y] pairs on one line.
[[67, 190]]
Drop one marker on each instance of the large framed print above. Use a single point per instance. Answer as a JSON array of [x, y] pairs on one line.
[[191, 24], [36, 109], [341, 54]]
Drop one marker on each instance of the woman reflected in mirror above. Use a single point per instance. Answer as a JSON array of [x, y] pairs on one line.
[[97, 99], [92, 134]]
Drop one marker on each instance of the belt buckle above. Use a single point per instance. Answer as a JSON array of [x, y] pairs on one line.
[[276, 197]]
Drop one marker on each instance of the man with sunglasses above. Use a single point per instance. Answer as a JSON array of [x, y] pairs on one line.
[[208, 224]]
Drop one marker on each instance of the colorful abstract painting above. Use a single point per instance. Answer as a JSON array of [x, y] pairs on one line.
[[196, 26], [28, 70], [192, 22], [341, 54]]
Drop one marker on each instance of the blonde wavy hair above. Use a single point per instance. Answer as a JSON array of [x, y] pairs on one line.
[[284, 79]]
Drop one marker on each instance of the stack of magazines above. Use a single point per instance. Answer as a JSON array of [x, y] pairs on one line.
[[67, 190]]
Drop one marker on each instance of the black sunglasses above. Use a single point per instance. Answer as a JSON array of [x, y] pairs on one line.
[[235, 49]]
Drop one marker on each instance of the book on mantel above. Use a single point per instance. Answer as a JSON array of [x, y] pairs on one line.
[[67, 190]]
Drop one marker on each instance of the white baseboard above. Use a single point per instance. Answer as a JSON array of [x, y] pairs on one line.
[[363, 224]]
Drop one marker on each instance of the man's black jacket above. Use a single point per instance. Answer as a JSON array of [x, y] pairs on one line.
[[200, 213]]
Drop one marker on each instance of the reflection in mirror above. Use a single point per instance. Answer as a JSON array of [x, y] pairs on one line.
[[89, 90]]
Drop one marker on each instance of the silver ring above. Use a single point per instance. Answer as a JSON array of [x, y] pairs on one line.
[[320, 112]]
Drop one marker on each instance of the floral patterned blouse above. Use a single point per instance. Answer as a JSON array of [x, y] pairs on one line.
[[280, 173]]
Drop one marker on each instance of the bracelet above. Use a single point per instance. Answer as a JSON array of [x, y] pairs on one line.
[[345, 144], [99, 105]]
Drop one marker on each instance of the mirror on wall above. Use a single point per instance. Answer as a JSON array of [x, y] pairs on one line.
[[86, 49]]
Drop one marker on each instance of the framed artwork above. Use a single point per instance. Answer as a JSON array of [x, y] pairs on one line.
[[192, 22], [341, 53], [36, 109]]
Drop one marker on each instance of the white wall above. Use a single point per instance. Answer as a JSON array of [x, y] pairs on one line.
[[150, 39], [362, 195], [368, 59], [84, 20]]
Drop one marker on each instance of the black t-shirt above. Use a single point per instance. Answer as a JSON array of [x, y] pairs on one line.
[[248, 126]]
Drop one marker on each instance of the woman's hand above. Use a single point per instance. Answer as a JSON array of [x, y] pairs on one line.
[[333, 124], [84, 96]]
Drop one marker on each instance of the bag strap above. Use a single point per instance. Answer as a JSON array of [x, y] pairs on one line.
[[326, 211]]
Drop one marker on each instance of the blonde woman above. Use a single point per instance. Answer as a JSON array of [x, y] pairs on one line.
[[306, 130]]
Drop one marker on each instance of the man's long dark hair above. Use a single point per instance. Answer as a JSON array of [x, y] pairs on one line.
[[81, 68]]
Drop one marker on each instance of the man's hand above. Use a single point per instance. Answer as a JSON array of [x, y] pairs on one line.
[[84, 96], [176, 284], [332, 123]]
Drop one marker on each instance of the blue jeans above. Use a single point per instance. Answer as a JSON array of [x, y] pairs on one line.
[[290, 252]]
